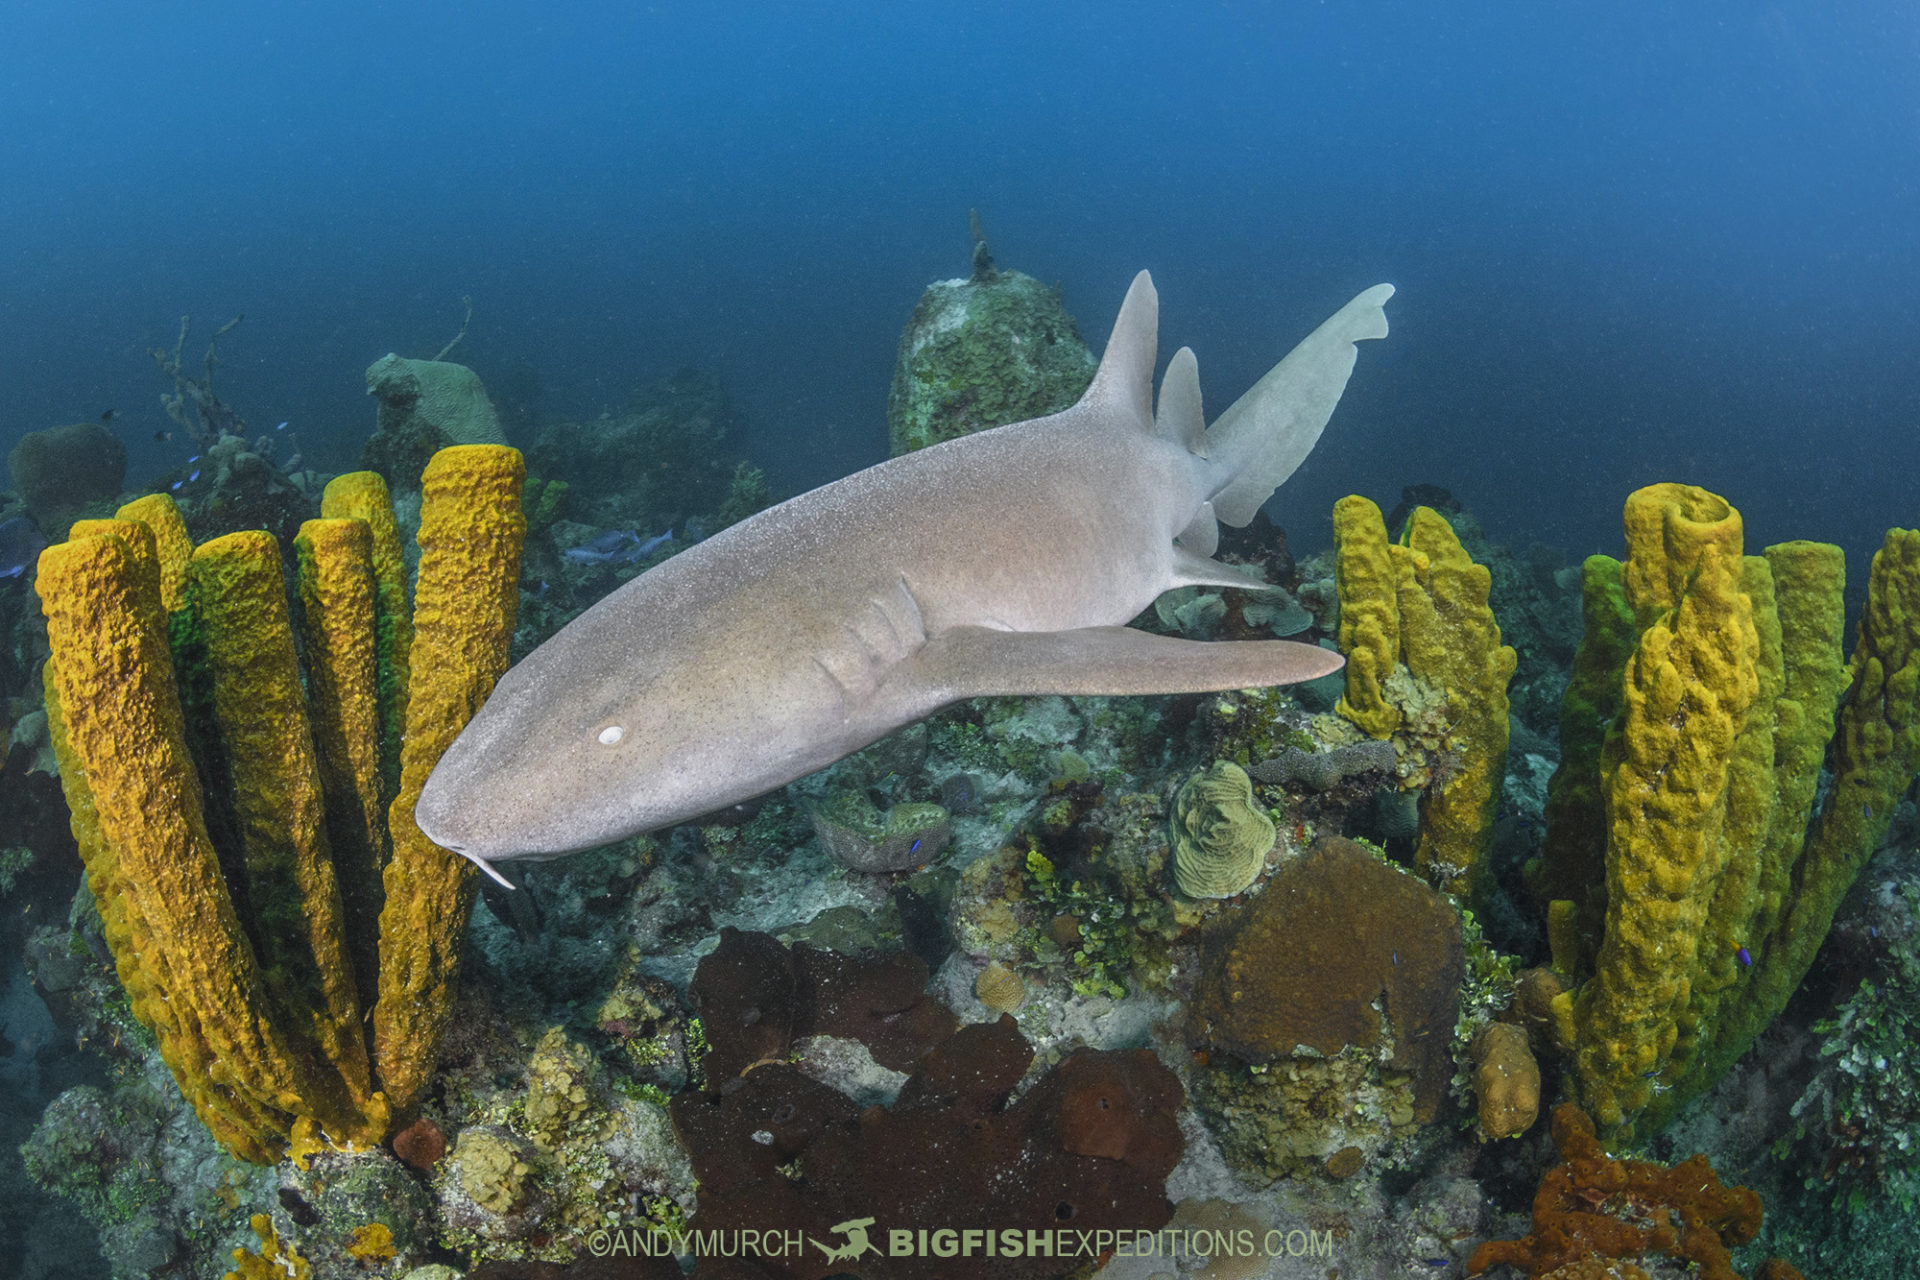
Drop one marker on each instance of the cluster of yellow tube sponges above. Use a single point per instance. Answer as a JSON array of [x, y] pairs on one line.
[[1414, 616], [1689, 882], [249, 840]]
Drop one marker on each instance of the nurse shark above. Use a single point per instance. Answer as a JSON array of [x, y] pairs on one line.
[[1004, 562]]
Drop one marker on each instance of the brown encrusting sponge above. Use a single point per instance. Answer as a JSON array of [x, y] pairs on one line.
[[1088, 1146]]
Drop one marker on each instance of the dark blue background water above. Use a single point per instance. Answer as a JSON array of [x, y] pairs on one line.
[[1658, 242]]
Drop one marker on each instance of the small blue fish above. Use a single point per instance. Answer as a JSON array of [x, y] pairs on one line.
[[175, 486], [195, 458], [1439, 1262], [915, 846], [281, 427], [616, 546], [1873, 931], [20, 545], [1746, 958], [194, 476]]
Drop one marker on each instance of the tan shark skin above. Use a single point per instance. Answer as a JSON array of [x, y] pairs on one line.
[[1004, 562]]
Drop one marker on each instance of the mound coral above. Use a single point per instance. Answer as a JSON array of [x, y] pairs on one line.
[[206, 808], [1325, 1010], [981, 353]]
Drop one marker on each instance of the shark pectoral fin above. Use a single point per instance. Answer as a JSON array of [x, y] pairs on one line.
[[975, 662]]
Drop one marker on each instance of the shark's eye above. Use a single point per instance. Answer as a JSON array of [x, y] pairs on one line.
[[611, 734]]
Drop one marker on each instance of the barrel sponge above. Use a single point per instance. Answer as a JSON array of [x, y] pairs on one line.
[[471, 526], [437, 393], [1686, 693], [61, 470], [1337, 937], [1369, 613], [1220, 836]]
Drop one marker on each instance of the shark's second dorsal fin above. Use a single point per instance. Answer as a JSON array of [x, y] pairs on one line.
[[1122, 387], [1179, 417]]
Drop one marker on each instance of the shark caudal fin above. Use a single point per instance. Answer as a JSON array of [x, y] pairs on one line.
[[1256, 444]]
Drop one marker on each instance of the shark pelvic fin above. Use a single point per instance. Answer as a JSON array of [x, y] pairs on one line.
[[975, 662]]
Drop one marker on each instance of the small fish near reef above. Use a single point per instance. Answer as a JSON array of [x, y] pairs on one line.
[[1002, 563], [20, 545], [616, 546]]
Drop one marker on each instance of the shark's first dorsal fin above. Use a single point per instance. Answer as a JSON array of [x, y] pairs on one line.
[[1123, 385], [1269, 431], [1179, 417]]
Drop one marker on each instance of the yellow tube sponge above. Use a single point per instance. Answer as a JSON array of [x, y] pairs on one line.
[[471, 525], [1449, 638], [196, 979], [337, 608], [293, 910], [362, 495], [1415, 616], [1687, 691], [1369, 613], [171, 543]]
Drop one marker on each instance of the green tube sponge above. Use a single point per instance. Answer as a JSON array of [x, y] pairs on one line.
[[1571, 868], [1220, 836]]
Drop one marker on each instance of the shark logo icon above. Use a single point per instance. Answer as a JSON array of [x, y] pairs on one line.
[[857, 1245]]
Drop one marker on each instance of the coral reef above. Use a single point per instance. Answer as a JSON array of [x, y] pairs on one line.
[[669, 453], [62, 471], [206, 842], [982, 352]]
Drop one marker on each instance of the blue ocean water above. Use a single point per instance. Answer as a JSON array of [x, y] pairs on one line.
[[1633, 242]]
